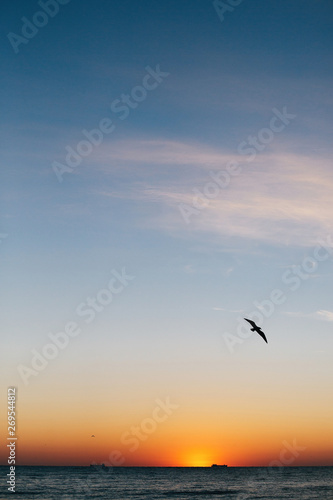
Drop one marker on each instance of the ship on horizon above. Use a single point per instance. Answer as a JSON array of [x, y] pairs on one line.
[[221, 466]]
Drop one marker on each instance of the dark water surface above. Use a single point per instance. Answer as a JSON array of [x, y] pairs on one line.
[[176, 483]]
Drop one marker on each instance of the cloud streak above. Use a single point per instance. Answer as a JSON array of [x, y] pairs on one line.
[[325, 315], [283, 198], [322, 315]]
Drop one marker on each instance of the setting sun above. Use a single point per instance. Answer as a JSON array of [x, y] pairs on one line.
[[198, 459]]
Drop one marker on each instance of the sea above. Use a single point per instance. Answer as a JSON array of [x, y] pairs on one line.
[[174, 483]]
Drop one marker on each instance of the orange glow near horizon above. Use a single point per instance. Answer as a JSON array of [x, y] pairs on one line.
[[190, 435], [197, 459], [83, 454], [168, 446]]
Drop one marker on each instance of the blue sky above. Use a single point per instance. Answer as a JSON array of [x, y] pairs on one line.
[[121, 206]]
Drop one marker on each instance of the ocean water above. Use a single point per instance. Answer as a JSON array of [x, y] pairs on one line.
[[176, 483]]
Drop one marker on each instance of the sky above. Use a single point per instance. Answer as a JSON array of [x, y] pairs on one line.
[[166, 172]]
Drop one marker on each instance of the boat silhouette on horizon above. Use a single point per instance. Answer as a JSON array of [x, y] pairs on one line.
[[219, 466], [98, 466]]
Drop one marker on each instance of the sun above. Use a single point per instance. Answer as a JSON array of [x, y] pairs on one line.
[[197, 459]]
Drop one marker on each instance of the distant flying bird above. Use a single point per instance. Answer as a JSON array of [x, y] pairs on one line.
[[92, 436], [257, 329]]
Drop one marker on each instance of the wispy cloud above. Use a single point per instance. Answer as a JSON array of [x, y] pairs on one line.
[[228, 310], [158, 153], [282, 197], [325, 315], [321, 315]]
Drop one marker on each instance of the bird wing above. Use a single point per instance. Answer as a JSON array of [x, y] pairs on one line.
[[251, 322], [261, 333]]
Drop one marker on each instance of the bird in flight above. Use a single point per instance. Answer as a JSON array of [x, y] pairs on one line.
[[92, 436], [257, 329]]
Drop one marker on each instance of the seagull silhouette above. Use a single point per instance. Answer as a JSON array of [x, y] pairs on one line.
[[257, 329]]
